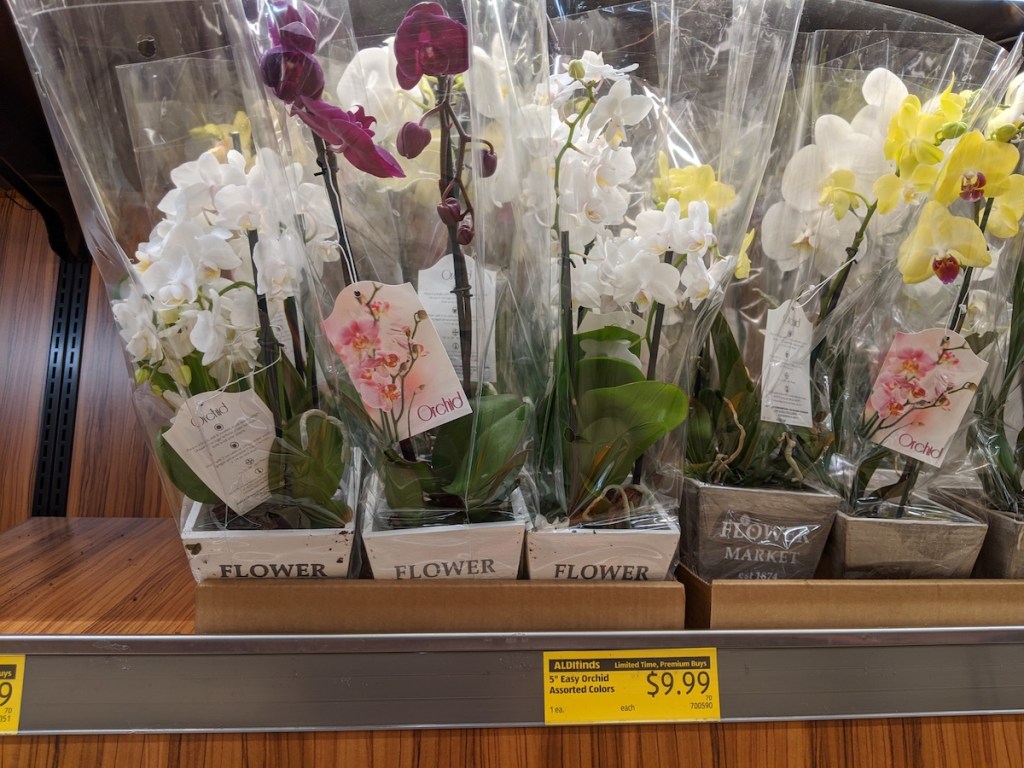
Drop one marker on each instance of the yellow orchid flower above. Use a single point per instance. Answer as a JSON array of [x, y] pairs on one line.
[[911, 139], [695, 183], [1008, 209], [940, 245], [892, 190], [742, 271], [222, 132], [977, 168]]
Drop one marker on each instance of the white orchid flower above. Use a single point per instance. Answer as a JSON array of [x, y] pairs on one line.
[[658, 231], [614, 166], [695, 236], [1011, 111], [789, 237], [588, 289], [616, 110], [278, 263], [701, 282], [196, 182], [134, 317], [884, 92], [837, 171]]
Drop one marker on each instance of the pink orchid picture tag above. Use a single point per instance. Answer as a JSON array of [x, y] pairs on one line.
[[395, 358], [923, 390]]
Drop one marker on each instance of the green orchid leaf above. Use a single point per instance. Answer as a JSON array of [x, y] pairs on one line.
[[470, 456], [1015, 346], [608, 333], [979, 341], [734, 379], [501, 485], [308, 461], [408, 484], [179, 473], [700, 447], [617, 425], [601, 372], [281, 385]]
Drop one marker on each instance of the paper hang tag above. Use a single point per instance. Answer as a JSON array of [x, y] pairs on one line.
[[786, 367], [923, 390], [435, 291], [225, 438], [395, 359]]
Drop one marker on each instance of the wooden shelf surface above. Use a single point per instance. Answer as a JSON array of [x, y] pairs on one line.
[[122, 576]]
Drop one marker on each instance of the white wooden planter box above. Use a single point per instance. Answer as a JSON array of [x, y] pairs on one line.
[[478, 551], [603, 554], [311, 553]]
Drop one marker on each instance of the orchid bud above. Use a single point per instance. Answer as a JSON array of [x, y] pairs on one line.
[[488, 163], [449, 211], [951, 131], [465, 234], [412, 139], [577, 70], [1005, 133], [141, 375]]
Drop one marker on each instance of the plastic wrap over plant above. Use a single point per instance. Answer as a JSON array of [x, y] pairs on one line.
[[754, 533], [434, 322], [919, 539], [913, 109], [200, 227], [645, 240]]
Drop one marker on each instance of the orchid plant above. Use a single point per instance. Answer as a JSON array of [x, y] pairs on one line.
[[910, 177], [630, 262], [417, 83], [208, 298], [991, 433]]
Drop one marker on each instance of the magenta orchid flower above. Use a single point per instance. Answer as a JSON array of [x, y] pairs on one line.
[[429, 42], [350, 133], [290, 69], [284, 16], [292, 74]]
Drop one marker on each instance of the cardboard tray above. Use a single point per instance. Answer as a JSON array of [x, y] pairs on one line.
[[336, 606], [851, 604]]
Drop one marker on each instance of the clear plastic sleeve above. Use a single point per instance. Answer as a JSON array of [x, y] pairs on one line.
[[652, 199], [900, 313], [200, 231], [439, 196]]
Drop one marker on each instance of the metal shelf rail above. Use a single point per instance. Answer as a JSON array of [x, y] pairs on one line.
[[121, 684]]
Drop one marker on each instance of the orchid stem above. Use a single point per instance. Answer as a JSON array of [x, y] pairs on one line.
[[328, 165], [653, 345], [269, 345], [449, 174], [831, 299], [956, 324]]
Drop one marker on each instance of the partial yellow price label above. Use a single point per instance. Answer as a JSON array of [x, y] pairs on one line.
[[663, 685], [12, 678]]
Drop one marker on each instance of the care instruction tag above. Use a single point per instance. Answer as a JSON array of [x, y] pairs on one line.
[[663, 685], [786, 367], [397, 363], [225, 438], [435, 291], [12, 681], [923, 390]]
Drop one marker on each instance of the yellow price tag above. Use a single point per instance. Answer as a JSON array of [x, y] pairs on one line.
[[664, 685], [12, 678]]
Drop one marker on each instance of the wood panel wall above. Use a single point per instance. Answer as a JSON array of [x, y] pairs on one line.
[[28, 279], [113, 470]]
